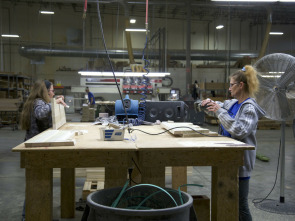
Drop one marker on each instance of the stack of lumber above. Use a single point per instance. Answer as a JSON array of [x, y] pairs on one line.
[[9, 104], [91, 117], [213, 86], [9, 111], [267, 124], [88, 114], [94, 181]]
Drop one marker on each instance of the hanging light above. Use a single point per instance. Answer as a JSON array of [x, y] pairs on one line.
[[276, 33], [47, 12], [122, 74], [9, 36], [132, 21], [135, 29], [219, 27]]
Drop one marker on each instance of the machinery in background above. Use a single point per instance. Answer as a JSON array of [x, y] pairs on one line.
[[155, 110], [131, 107], [166, 111]]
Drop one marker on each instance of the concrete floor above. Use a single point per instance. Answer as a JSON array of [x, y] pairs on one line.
[[12, 177]]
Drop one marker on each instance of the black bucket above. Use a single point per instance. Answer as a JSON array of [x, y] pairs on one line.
[[101, 210]]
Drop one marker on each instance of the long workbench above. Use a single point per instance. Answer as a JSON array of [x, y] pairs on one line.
[[152, 152]]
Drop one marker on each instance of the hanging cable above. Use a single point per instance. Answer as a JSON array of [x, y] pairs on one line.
[[261, 200], [109, 60], [206, 135], [145, 81]]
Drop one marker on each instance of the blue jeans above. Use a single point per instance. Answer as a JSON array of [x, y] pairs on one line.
[[244, 212]]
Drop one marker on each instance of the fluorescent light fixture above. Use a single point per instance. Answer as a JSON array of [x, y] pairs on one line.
[[132, 20], [276, 33], [135, 29], [47, 12], [9, 36], [245, 1], [249, 1], [219, 27], [273, 74], [270, 76], [122, 74]]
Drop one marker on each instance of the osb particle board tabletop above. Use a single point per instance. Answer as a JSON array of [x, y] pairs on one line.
[[168, 141], [89, 139]]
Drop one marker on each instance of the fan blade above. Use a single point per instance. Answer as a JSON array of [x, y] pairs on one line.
[[276, 95]]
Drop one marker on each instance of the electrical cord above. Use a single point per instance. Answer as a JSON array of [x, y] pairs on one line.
[[261, 200], [132, 129]]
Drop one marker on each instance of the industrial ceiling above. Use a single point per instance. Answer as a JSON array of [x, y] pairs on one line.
[[203, 10]]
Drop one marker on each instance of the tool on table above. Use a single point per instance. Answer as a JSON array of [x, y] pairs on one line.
[[112, 132]]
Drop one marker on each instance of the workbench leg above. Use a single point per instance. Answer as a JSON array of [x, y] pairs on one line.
[[67, 194], [39, 194], [179, 177], [153, 175], [225, 193], [115, 176]]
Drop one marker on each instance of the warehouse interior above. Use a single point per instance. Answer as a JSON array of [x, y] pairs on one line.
[[78, 43]]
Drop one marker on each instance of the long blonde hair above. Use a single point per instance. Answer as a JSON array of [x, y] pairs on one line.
[[39, 91], [248, 75]]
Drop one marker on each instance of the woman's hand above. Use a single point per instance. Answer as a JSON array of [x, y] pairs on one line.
[[211, 105], [61, 101], [205, 102], [60, 96]]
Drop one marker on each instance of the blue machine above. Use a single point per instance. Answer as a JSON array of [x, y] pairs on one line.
[[131, 109]]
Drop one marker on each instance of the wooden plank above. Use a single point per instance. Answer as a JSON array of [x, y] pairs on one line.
[[67, 193], [188, 129], [225, 192], [58, 114], [39, 194], [179, 177], [90, 187], [97, 174], [51, 138]]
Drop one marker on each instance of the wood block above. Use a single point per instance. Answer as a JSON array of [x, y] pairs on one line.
[[95, 174], [50, 138], [58, 114], [91, 186], [201, 205], [188, 130]]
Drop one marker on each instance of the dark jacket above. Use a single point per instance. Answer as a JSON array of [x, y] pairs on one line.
[[41, 118]]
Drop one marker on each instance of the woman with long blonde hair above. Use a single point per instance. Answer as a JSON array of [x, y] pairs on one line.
[[239, 118]]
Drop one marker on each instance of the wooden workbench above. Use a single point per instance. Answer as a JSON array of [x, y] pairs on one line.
[[152, 153]]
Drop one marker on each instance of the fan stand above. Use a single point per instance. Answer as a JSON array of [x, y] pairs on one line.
[[280, 206]]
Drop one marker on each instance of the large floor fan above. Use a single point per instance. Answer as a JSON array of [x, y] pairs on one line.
[[277, 97]]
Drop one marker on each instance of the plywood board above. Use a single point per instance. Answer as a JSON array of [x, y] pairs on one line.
[[185, 129], [58, 114], [50, 138]]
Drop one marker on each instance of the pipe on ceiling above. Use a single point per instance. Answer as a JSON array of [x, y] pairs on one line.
[[39, 52]]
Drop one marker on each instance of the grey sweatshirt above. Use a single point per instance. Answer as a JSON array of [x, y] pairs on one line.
[[242, 127]]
